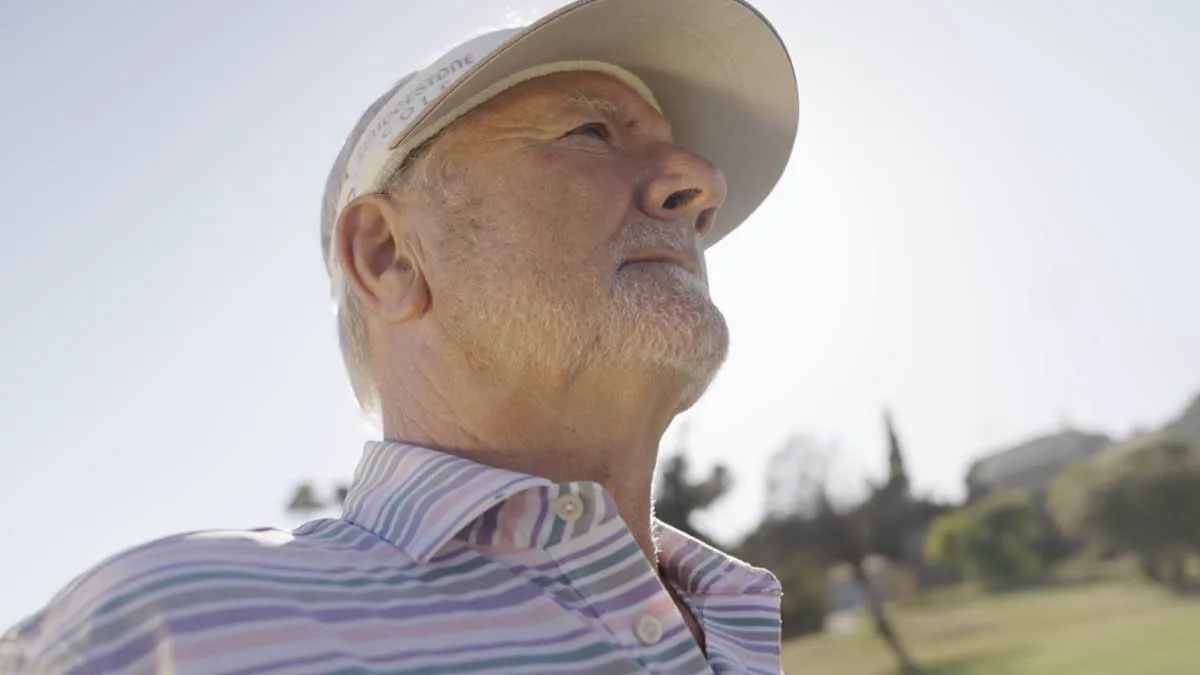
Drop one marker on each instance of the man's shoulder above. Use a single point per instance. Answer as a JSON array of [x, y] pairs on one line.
[[152, 569], [151, 588]]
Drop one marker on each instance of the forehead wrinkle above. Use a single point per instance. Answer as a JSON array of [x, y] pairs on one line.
[[493, 124], [601, 106], [613, 111], [528, 112], [534, 108]]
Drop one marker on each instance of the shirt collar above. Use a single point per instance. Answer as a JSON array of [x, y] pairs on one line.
[[418, 499], [697, 569]]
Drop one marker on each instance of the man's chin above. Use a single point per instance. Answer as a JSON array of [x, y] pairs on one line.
[[698, 369], [691, 345]]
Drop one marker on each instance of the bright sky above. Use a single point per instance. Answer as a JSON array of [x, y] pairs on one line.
[[991, 223]]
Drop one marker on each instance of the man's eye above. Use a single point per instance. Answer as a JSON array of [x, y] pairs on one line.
[[597, 130]]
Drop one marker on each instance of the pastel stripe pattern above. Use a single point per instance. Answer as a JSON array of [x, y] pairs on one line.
[[437, 565]]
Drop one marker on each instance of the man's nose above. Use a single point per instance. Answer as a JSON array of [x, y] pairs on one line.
[[683, 186]]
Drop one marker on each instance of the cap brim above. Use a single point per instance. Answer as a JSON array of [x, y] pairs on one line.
[[718, 69]]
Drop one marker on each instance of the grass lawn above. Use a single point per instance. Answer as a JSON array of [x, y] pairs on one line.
[[1111, 628]]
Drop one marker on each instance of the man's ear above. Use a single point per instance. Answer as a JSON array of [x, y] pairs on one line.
[[378, 265]]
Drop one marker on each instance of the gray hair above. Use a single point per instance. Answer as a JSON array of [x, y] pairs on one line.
[[414, 174], [419, 174]]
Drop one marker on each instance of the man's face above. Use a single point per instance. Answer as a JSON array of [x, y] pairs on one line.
[[568, 235]]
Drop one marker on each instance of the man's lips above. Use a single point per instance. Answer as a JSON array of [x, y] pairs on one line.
[[669, 256]]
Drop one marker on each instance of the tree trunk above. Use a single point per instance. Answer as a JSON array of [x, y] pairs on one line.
[[1178, 572], [1148, 562], [883, 625]]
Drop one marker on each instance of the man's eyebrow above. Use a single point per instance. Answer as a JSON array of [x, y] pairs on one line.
[[601, 106]]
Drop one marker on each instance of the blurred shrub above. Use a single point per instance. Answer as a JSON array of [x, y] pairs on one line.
[[1069, 497], [1148, 502], [1142, 497], [992, 541], [804, 604]]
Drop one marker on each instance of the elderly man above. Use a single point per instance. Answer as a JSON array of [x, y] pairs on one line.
[[515, 236]]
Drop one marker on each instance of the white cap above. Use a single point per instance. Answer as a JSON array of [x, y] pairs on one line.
[[715, 68]]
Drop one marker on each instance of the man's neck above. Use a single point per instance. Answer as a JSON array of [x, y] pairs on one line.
[[602, 428]]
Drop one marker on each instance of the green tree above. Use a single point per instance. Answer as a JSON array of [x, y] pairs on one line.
[[1070, 497], [946, 544], [678, 497], [306, 501], [1147, 501], [897, 482], [804, 604], [992, 541], [804, 520]]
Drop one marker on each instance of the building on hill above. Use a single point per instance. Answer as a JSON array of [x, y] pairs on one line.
[[1033, 465]]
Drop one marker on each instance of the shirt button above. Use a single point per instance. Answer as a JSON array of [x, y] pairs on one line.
[[569, 507], [649, 630]]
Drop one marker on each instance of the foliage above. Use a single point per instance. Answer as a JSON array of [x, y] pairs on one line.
[[305, 500], [802, 512], [804, 604], [1069, 496], [992, 541], [678, 497], [1149, 503], [897, 471], [1141, 497], [946, 544]]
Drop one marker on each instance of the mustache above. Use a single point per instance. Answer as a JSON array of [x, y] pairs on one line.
[[643, 235]]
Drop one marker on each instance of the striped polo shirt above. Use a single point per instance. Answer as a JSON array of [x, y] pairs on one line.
[[437, 565]]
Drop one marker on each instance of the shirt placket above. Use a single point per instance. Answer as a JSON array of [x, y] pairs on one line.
[[607, 578]]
